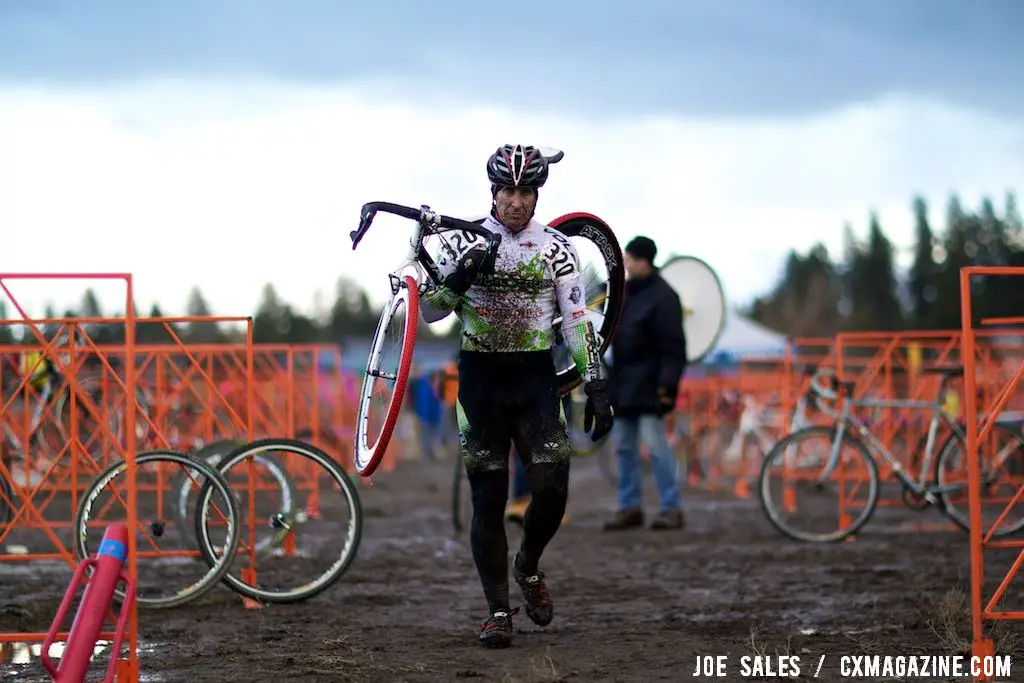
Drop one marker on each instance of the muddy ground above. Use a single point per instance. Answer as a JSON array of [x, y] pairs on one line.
[[631, 606]]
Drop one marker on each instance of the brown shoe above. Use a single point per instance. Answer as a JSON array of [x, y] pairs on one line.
[[668, 519], [515, 511], [625, 519]]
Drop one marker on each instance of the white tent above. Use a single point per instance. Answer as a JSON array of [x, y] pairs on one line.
[[743, 337]]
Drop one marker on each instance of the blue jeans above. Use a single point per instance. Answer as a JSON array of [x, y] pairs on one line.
[[627, 434], [429, 434]]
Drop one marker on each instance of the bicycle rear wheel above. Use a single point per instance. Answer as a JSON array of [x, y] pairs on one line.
[[387, 374], [1001, 465], [603, 276], [295, 537]]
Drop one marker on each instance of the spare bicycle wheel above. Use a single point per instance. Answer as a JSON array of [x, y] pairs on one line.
[[161, 569], [298, 547], [387, 374]]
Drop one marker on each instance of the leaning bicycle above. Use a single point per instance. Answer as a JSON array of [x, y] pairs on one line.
[[841, 459], [395, 336]]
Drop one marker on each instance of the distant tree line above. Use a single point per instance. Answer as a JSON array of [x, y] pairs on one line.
[[815, 296], [818, 296]]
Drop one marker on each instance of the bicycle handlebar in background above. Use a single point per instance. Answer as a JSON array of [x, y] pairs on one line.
[[830, 391]]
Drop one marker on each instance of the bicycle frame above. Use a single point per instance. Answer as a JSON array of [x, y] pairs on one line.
[[846, 420]]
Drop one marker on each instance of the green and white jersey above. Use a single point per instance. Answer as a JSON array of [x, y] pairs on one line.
[[536, 278]]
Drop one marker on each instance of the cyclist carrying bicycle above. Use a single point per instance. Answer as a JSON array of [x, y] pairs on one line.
[[507, 390]]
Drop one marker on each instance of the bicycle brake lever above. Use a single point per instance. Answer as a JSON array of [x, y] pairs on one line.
[[364, 225]]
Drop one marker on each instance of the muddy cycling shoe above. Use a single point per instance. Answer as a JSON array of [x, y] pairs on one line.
[[539, 606], [497, 630]]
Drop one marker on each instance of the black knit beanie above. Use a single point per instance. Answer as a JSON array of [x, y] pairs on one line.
[[642, 248]]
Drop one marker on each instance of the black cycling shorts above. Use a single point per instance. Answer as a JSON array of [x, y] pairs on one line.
[[506, 399]]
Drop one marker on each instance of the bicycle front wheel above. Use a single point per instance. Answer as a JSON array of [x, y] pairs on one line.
[[294, 541], [387, 374], [158, 568], [800, 465]]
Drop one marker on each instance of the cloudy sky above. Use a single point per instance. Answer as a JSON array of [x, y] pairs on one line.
[[228, 143]]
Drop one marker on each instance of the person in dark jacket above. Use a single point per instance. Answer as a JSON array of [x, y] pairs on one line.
[[648, 359]]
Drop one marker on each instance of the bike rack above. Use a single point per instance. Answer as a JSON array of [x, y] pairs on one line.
[[74, 449], [983, 611]]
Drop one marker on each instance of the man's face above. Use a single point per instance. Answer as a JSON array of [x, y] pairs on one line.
[[515, 206], [636, 268]]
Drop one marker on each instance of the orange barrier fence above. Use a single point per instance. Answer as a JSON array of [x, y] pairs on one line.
[[981, 417], [58, 350], [735, 418]]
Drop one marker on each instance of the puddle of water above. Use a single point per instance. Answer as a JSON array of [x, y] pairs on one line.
[[837, 631], [448, 547], [22, 653]]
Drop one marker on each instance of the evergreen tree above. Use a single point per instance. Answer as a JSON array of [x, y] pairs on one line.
[[924, 271], [272, 321], [201, 332], [352, 314], [879, 282], [954, 254]]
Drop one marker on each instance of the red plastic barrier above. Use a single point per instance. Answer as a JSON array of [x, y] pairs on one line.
[[108, 569]]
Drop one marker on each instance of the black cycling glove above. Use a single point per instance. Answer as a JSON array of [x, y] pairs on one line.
[[666, 401], [598, 412], [466, 271]]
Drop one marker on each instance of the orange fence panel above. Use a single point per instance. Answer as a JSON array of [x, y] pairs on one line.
[[737, 415], [979, 425], [59, 350]]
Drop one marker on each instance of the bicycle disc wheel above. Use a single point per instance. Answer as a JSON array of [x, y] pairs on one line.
[[387, 374], [603, 276], [151, 476], [294, 541], [802, 470]]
